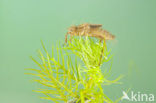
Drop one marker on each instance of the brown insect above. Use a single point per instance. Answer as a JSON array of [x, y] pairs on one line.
[[91, 30]]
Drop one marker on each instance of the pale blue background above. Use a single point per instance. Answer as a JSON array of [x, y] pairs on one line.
[[24, 22]]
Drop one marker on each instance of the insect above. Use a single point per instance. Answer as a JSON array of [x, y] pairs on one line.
[[91, 30]]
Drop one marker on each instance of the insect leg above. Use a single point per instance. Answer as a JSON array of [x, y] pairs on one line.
[[66, 38], [71, 36], [104, 44], [102, 51]]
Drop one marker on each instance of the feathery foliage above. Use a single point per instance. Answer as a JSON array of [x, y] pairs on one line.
[[74, 74]]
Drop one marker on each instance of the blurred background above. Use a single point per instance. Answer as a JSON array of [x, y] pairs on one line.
[[23, 23]]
